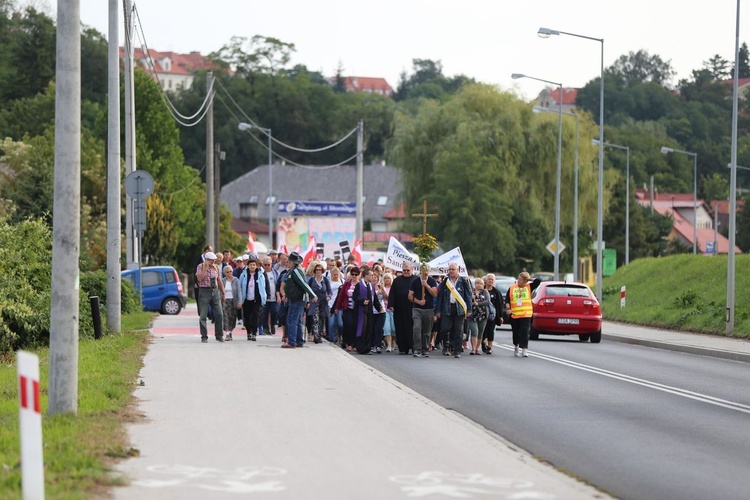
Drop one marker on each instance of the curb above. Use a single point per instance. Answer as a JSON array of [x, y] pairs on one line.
[[700, 351]]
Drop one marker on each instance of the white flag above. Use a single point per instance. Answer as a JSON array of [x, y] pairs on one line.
[[440, 264], [397, 255]]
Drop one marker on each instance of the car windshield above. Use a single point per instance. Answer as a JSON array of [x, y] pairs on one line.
[[566, 291]]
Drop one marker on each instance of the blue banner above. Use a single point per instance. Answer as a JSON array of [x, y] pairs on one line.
[[317, 208]]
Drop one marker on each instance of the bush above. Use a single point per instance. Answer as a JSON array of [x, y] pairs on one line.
[[26, 287]]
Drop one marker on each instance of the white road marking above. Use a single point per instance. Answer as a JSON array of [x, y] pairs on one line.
[[731, 405]]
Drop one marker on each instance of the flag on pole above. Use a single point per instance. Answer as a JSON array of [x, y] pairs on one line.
[[310, 253], [250, 242], [357, 252]]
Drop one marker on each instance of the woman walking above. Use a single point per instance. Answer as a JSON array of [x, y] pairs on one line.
[[347, 304], [335, 321], [479, 313], [318, 311], [253, 294], [232, 301]]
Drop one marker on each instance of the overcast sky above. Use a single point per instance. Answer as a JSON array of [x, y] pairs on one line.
[[487, 40]]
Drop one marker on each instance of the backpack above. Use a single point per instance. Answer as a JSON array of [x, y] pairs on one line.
[[292, 289]]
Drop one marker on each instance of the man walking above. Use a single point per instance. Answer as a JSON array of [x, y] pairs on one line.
[[453, 306], [399, 300], [210, 292], [421, 294], [294, 290]]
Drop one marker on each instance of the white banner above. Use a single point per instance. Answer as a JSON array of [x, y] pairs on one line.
[[440, 264], [397, 254]]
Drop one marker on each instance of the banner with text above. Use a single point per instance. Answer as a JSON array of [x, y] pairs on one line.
[[440, 264], [397, 254], [295, 232]]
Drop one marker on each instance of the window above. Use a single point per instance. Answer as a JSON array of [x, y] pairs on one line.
[[270, 200], [382, 201], [254, 199], [152, 278]]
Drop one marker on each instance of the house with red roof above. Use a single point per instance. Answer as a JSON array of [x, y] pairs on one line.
[[173, 71], [366, 84], [549, 97], [680, 206]]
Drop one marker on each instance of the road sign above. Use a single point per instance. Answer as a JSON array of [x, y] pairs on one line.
[[709, 247], [551, 247], [139, 184]]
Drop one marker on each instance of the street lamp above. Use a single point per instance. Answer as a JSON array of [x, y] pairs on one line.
[[540, 109], [665, 150], [627, 196], [516, 76], [546, 33], [271, 200], [730, 311]]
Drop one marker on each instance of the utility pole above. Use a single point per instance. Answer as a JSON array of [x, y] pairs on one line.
[[210, 163], [360, 179], [114, 242], [220, 155], [66, 226], [130, 164]]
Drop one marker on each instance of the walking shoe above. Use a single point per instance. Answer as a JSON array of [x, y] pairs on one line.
[[471, 353], [219, 339], [379, 350], [228, 337], [445, 353], [387, 349], [253, 337], [516, 352], [523, 353], [425, 355], [249, 336], [489, 351], [456, 355], [485, 348], [204, 340]]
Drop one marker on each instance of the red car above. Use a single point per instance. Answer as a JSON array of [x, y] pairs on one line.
[[566, 309]]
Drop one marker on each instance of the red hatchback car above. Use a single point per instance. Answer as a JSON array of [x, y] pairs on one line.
[[566, 309]]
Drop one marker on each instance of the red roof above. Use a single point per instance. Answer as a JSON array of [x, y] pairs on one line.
[[723, 205], [569, 95], [397, 213], [366, 83], [182, 64]]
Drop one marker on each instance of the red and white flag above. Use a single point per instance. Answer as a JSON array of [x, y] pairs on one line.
[[310, 254], [357, 252], [282, 248], [250, 242]]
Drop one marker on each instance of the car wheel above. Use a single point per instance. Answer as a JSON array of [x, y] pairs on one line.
[[533, 333], [171, 306], [583, 338], [596, 337]]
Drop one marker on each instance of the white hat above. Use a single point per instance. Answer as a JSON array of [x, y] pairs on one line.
[[245, 257], [209, 256]]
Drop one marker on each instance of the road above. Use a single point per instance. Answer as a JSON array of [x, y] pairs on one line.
[[637, 422]]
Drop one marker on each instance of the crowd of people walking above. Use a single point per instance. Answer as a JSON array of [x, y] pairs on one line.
[[364, 309]]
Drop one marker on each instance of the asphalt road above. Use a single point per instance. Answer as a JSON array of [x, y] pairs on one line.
[[637, 422]]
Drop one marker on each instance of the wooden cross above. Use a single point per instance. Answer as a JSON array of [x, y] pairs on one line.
[[424, 216]]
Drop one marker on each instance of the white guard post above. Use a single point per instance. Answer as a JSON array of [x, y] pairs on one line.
[[622, 297], [30, 414]]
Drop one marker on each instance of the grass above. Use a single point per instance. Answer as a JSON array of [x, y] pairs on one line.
[[682, 292], [79, 449]]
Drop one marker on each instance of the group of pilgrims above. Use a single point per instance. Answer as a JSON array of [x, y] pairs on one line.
[[367, 309]]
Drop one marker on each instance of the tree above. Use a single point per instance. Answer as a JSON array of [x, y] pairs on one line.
[[641, 67], [718, 67], [32, 57], [743, 225], [715, 187], [339, 81], [744, 61]]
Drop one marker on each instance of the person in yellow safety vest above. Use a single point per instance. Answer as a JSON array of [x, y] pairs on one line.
[[518, 302]]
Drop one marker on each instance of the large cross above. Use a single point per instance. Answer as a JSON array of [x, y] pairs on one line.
[[424, 216]]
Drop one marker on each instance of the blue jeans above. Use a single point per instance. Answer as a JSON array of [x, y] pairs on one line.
[[269, 318], [335, 321], [293, 323]]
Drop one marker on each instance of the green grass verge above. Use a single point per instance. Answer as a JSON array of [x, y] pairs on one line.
[[682, 292], [79, 449]]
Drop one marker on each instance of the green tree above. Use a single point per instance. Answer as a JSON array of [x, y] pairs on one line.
[[744, 61], [718, 66], [743, 225], [715, 187], [32, 56], [641, 67]]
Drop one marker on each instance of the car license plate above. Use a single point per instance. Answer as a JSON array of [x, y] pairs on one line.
[[567, 321]]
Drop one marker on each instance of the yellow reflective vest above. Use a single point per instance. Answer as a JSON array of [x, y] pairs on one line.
[[520, 301]]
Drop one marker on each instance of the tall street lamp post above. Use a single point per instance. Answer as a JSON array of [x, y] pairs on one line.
[[665, 150], [546, 33], [627, 195], [540, 109], [730, 312], [515, 76], [271, 198]]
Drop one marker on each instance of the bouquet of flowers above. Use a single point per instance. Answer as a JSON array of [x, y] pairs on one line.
[[424, 246]]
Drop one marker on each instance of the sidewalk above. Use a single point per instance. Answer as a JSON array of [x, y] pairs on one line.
[[315, 423], [694, 343]]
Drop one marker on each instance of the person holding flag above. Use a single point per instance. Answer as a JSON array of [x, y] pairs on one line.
[[454, 303]]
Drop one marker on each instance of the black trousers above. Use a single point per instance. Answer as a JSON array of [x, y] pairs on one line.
[[452, 326], [251, 316], [521, 331]]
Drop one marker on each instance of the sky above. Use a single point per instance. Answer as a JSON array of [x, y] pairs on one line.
[[487, 40]]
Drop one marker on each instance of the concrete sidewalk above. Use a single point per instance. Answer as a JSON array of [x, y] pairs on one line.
[[694, 343], [314, 423]]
